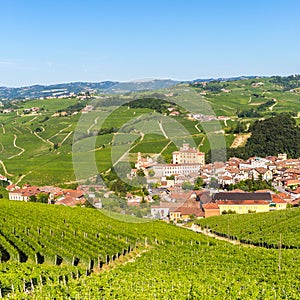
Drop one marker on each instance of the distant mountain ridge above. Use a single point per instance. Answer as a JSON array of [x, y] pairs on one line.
[[228, 78], [107, 87], [69, 89]]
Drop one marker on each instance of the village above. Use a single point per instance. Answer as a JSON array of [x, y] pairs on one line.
[[177, 185], [188, 188]]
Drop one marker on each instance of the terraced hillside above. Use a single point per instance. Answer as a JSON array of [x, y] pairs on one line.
[[70, 253]]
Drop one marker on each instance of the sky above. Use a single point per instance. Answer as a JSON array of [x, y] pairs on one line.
[[55, 41]]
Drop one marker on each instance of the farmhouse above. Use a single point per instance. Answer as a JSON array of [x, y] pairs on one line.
[[24, 194]]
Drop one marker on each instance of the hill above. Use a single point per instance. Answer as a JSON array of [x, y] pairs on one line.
[[68, 89], [81, 253]]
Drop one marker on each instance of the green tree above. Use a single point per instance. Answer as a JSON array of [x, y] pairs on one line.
[[140, 173], [187, 186], [32, 198], [42, 198], [199, 183]]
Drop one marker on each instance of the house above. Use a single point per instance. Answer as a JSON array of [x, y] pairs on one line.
[[71, 198], [143, 162], [133, 200], [183, 206], [262, 173], [211, 210], [3, 178], [183, 213], [12, 187], [162, 211], [225, 180], [292, 183], [24, 194], [277, 203], [54, 192], [174, 113]]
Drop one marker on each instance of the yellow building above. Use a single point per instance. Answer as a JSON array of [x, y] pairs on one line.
[[244, 207], [187, 155], [243, 203]]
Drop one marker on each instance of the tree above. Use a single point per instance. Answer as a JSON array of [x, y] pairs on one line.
[[199, 183], [151, 173], [32, 198], [187, 185], [160, 159], [140, 173], [42, 198]]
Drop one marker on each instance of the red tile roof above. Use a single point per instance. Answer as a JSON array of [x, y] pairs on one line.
[[210, 206]]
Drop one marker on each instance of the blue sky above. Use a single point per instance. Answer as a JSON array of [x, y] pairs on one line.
[[44, 42]]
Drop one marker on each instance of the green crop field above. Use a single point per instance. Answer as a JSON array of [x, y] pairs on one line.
[[261, 228], [53, 252]]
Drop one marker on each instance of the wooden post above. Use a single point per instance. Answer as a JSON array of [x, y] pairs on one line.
[[279, 252]]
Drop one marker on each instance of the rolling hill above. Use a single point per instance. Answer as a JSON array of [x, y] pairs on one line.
[[40, 147]]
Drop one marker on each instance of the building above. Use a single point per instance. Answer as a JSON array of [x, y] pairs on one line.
[[163, 170], [71, 198], [187, 155], [243, 202], [24, 194], [211, 210]]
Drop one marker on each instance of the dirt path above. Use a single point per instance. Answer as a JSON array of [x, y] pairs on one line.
[[33, 119], [2, 147], [22, 149], [162, 130], [271, 107], [66, 137], [126, 153], [164, 148], [240, 140], [45, 141], [17, 130], [4, 168], [125, 259], [207, 232], [22, 177], [94, 124], [59, 132], [196, 126]]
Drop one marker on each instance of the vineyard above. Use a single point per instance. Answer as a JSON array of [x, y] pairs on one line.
[[52, 252], [261, 229]]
